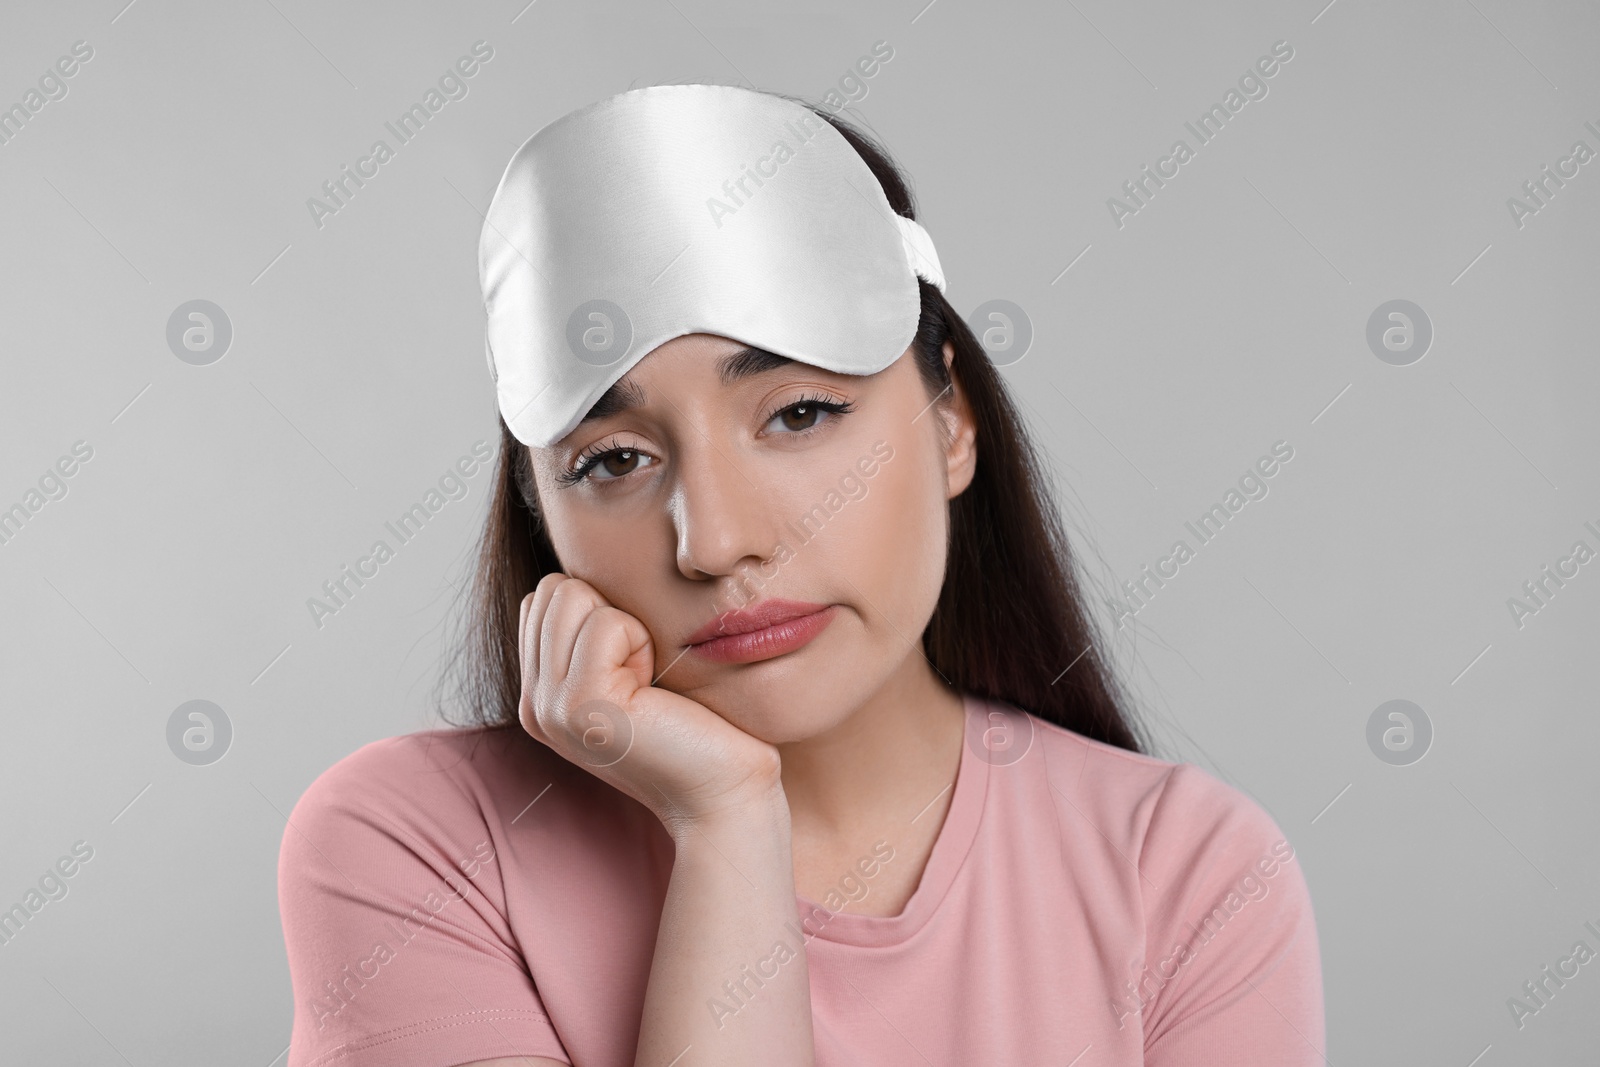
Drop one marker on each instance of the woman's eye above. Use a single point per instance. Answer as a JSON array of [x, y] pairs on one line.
[[805, 415], [605, 466], [615, 464], [796, 419]]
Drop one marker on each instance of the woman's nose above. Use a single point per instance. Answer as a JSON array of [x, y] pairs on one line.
[[720, 512]]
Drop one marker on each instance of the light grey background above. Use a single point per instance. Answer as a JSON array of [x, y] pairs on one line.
[[1228, 314]]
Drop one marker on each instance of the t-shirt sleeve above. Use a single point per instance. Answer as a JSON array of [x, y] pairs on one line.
[[393, 911], [1233, 973]]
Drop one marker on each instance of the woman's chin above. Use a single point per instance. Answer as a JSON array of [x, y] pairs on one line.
[[776, 715]]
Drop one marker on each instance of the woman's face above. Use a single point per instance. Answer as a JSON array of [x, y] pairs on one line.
[[714, 492]]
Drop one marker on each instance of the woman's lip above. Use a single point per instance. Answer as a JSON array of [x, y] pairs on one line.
[[768, 642], [759, 616]]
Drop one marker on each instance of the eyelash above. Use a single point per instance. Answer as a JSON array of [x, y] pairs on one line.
[[592, 459]]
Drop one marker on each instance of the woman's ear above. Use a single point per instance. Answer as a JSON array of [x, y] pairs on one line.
[[961, 433]]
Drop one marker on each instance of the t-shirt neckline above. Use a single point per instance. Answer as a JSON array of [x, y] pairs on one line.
[[949, 853]]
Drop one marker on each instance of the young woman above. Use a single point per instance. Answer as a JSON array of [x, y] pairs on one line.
[[791, 742]]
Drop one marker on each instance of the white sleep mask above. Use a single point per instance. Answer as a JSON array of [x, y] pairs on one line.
[[678, 209]]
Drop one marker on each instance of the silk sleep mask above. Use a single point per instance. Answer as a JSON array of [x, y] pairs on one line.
[[679, 209]]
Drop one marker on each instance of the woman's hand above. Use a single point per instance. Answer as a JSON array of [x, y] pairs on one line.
[[586, 692]]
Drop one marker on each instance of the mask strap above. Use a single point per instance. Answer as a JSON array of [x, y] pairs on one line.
[[919, 251]]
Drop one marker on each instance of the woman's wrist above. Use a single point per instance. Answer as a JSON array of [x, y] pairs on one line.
[[759, 809]]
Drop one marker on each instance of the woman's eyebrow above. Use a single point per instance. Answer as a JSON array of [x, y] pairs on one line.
[[626, 394], [747, 363]]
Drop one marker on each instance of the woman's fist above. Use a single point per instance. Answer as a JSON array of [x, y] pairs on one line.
[[586, 692]]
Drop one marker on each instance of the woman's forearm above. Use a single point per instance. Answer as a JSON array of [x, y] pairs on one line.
[[728, 984]]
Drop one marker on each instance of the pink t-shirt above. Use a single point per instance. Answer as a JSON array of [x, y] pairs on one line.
[[455, 895]]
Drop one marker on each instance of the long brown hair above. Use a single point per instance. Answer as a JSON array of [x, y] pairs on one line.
[[1010, 623]]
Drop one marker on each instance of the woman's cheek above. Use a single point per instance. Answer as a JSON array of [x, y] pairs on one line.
[[903, 532]]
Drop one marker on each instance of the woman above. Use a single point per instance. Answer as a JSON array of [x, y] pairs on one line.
[[791, 744]]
